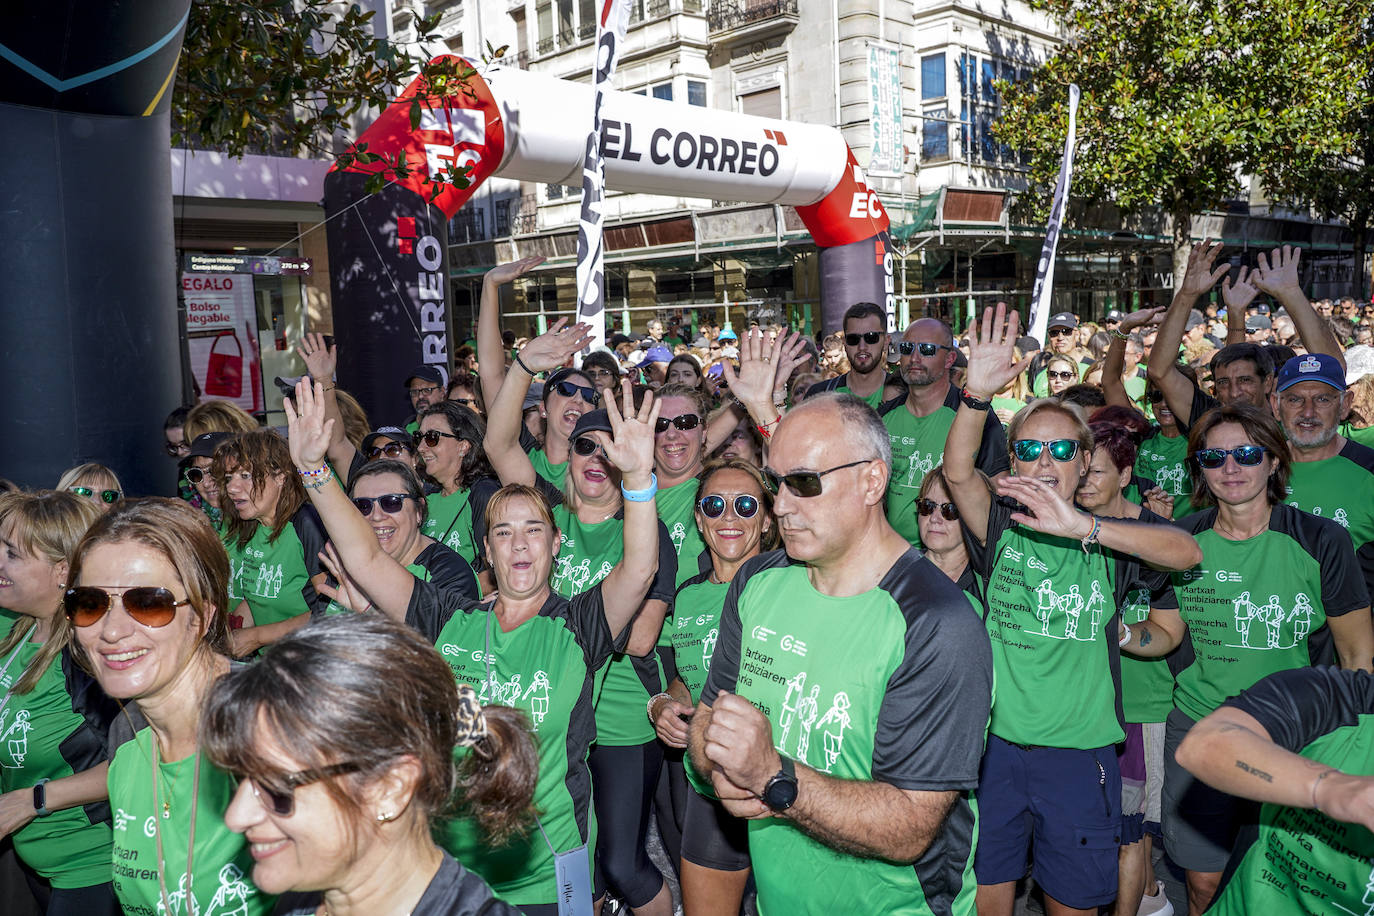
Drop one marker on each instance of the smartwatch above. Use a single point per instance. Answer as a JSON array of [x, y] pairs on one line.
[[40, 798], [781, 791]]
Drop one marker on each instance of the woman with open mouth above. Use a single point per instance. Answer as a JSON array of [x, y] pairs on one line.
[[528, 647], [449, 446], [149, 588]]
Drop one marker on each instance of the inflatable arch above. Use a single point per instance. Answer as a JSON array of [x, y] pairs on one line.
[[388, 251]]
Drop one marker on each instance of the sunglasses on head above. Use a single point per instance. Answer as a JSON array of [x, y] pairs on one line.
[[713, 506], [928, 507], [431, 437], [1030, 449], [868, 337], [1247, 456], [803, 483], [394, 449], [683, 422], [283, 803], [926, 348], [106, 496], [568, 389], [1060, 373], [152, 606], [391, 503], [585, 446]]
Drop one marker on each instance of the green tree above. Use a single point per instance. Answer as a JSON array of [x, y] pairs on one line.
[[1181, 96]]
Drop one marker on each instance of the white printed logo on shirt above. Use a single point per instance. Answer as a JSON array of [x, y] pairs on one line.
[[802, 709]]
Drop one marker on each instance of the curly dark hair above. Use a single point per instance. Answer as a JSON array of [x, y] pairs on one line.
[[470, 428]]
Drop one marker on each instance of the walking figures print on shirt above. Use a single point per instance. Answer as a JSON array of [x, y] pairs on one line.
[[1064, 609], [1240, 619], [252, 576], [801, 710]]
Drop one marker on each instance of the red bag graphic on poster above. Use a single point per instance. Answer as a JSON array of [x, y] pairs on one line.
[[224, 371]]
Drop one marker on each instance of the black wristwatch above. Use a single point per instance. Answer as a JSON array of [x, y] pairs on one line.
[[781, 791], [40, 798]]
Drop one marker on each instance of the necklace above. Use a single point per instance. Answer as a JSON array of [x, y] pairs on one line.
[[188, 876], [171, 787]]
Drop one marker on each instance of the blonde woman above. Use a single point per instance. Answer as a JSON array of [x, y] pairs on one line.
[[94, 482]]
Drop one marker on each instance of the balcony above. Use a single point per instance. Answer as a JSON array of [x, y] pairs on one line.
[[734, 20], [656, 8], [586, 30], [545, 46]]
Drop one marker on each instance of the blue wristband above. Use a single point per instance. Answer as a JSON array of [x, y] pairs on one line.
[[642, 496]]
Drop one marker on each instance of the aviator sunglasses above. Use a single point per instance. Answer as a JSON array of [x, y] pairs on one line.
[[391, 503], [106, 496], [283, 804], [926, 348], [1030, 449], [928, 507], [803, 483], [152, 606], [1247, 456], [713, 506]]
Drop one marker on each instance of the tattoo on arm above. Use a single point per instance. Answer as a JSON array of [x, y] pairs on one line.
[[1254, 771], [1145, 637]]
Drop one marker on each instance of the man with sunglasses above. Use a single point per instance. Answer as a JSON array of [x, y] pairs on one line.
[[918, 425], [425, 388], [865, 344], [845, 707], [1061, 336]]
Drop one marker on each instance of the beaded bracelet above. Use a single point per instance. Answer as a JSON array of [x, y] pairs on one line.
[[317, 478], [654, 699], [1118, 334]]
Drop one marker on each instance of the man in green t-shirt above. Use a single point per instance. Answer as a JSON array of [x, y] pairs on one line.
[[848, 696], [866, 346]]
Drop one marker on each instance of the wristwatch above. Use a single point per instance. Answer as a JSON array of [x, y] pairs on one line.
[[40, 798], [781, 791]]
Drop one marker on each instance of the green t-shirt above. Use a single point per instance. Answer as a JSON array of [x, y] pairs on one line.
[[556, 474], [221, 862], [677, 511], [1147, 686], [891, 685], [693, 628], [1361, 434], [273, 576], [1340, 488], [872, 400], [1165, 461], [1051, 615], [449, 521], [66, 847], [1303, 861], [918, 446], [1251, 605], [1012, 404]]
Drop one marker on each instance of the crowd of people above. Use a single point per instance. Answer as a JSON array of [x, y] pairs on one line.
[[876, 622]]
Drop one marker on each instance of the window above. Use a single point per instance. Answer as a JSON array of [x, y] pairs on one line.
[[586, 17], [696, 93], [765, 104], [989, 81], [933, 76], [935, 134], [543, 15], [554, 192], [664, 91], [503, 216]]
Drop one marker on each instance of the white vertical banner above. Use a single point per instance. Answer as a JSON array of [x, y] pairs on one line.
[[885, 152], [611, 24], [1044, 271]]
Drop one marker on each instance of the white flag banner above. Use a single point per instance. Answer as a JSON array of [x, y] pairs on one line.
[[1044, 271], [591, 274]]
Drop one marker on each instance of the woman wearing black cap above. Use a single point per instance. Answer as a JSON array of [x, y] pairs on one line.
[[588, 511], [195, 470]]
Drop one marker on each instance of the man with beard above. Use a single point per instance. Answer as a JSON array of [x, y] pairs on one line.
[[865, 344], [1332, 476], [917, 426]]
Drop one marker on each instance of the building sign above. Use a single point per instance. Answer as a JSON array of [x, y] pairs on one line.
[[222, 339], [264, 265], [886, 153]]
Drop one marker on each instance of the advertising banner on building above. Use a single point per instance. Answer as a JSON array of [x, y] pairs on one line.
[[886, 154], [222, 338]]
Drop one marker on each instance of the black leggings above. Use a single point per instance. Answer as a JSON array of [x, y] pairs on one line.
[[623, 783], [95, 900]]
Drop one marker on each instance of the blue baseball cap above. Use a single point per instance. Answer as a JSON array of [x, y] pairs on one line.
[[1313, 367], [658, 355], [727, 334]]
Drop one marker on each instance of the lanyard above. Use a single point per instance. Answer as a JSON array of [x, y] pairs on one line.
[[461, 509], [9, 691], [189, 878]]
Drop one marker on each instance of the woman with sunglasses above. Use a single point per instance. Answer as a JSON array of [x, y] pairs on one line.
[[449, 443], [389, 496], [273, 538], [343, 739], [530, 647], [1277, 588], [196, 471], [735, 517], [391, 443], [53, 720], [94, 482], [626, 760], [1054, 577], [942, 538], [149, 588], [1060, 372], [1163, 453]]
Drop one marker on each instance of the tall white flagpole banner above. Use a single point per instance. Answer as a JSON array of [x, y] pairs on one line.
[[591, 274], [1044, 271]]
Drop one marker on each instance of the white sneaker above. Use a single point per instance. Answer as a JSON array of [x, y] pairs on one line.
[[1158, 905]]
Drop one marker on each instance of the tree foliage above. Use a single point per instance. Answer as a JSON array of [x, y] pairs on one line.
[[1179, 97]]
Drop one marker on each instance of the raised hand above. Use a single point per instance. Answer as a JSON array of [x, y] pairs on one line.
[[630, 447], [555, 346], [991, 357], [1201, 276], [757, 376], [1278, 272], [787, 358], [504, 273], [1240, 293], [308, 432], [1142, 318], [1049, 513], [321, 360]]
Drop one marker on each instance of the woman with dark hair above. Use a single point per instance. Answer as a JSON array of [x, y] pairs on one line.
[[529, 647], [149, 584], [449, 442], [390, 497], [53, 720], [734, 515], [684, 369], [602, 370], [465, 390], [342, 739], [1055, 576], [942, 537], [273, 538], [1277, 588]]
